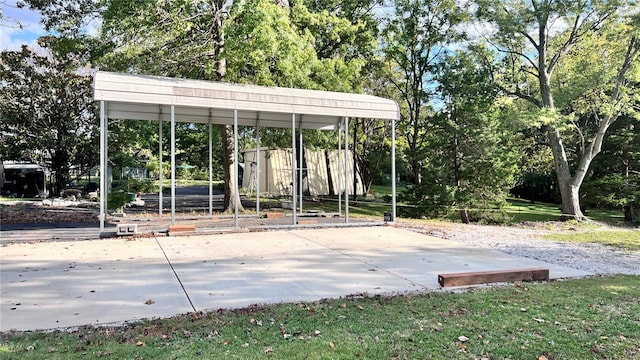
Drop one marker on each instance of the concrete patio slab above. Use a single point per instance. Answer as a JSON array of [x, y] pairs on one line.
[[63, 284], [59, 284]]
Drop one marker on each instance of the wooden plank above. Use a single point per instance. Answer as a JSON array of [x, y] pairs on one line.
[[307, 222], [181, 228], [275, 215], [483, 277]]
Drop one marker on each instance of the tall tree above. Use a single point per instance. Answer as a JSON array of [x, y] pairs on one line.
[[479, 152], [540, 37], [415, 40], [47, 109], [178, 39], [472, 153]]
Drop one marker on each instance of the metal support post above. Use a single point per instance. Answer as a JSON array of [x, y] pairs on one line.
[[346, 170], [173, 164]]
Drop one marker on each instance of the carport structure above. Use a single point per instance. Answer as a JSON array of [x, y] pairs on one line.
[[151, 98]]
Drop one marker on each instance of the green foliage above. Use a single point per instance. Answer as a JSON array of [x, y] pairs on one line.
[[263, 47], [138, 186], [412, 52], [170, 38], [46, 108], [472, 153], [612, 191], [490, 217], [116, 200], [431, 199]]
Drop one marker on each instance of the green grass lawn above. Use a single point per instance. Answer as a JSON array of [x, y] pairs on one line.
[[628, 240], [594, 318], [522, 210]]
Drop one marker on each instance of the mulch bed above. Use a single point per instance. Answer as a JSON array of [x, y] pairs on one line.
[[39, 215]]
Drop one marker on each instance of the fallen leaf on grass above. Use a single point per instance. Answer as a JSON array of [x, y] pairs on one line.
[[542, 357], [316, 333], [463, 338], [332, 344], [186, 333], [539, 320], [141, 343], [268, 350]]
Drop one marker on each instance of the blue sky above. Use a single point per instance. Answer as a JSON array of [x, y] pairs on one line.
[[11, 36]]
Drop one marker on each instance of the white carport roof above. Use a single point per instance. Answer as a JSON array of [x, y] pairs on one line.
[[141, 97]]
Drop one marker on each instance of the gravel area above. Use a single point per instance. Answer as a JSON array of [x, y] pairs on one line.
[[530, 243]]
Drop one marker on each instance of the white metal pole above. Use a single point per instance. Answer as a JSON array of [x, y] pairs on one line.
[[210, 166], [257, 169], [103, 167], [173, 164], [301, 162], [346, 170], [107, 173], [393, 170], [293, 167], [160, 199], [339, 160], [235, 168]]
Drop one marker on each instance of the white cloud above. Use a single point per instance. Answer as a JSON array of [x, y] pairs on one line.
[[19, 26]]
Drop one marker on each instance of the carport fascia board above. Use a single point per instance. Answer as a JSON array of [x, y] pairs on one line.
[[141, 97], [128, 94]]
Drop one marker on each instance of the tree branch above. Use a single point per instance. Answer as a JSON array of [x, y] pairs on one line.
[[521, 95]]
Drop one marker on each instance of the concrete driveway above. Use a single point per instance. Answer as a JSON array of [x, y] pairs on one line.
[[62, 284]]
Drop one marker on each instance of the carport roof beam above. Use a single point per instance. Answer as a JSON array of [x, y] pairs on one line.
[[137, 97]]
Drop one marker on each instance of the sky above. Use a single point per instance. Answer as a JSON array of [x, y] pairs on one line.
[[11, 36]]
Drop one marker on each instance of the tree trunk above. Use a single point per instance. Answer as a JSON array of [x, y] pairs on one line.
[[230, 176], [464, 216], [570, 201], [60, 168], [569, 189], [629, 213]]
